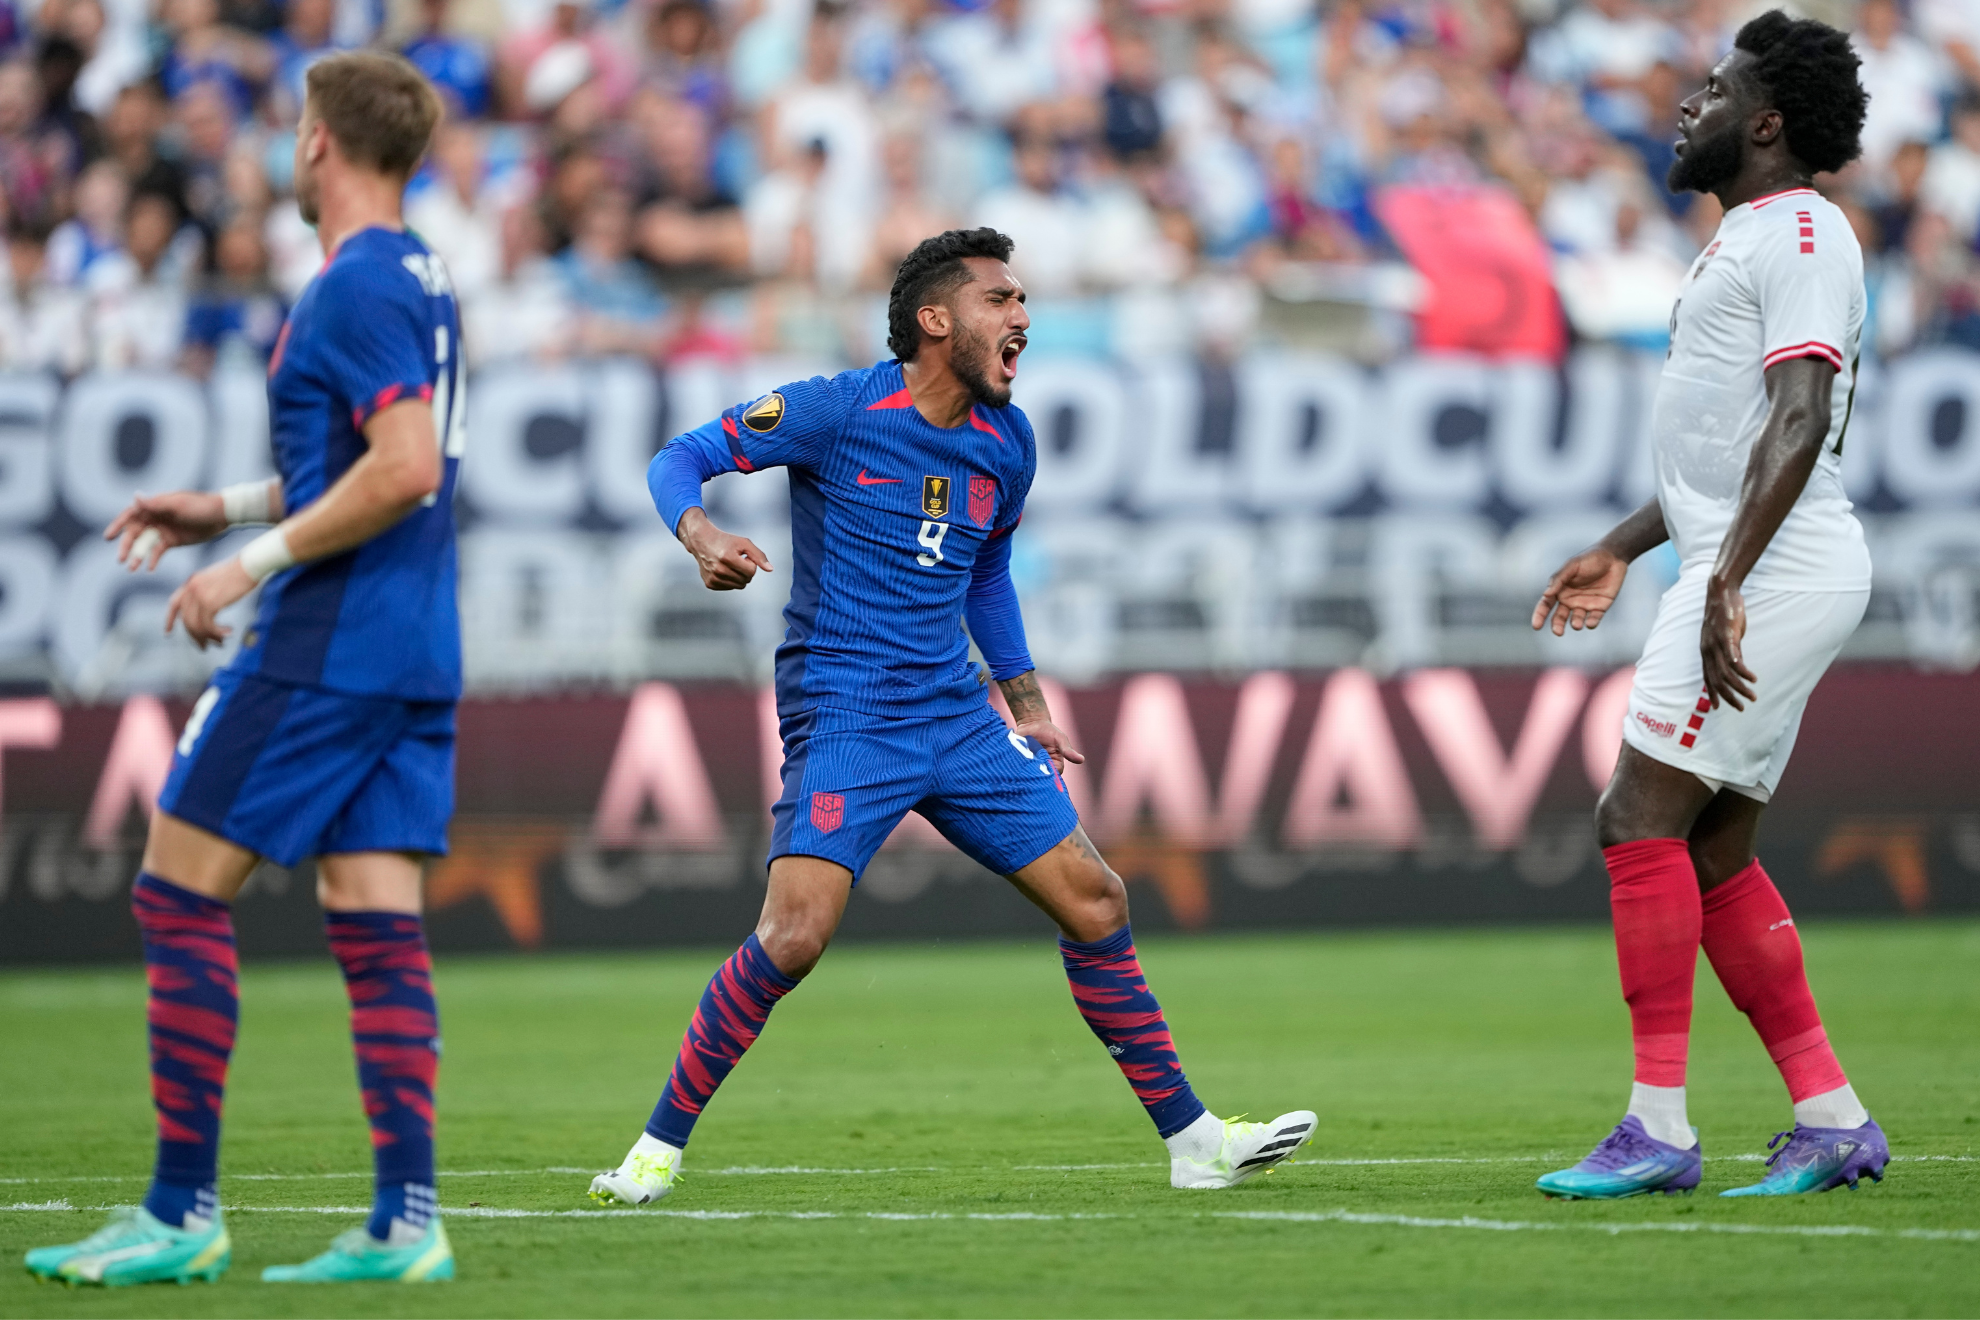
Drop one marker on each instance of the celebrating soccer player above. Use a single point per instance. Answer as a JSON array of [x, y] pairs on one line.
[[907, 480], [1748, 430], [332, 731]]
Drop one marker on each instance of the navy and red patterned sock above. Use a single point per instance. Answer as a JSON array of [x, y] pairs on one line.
[[731, 1014], [193, 1008], [396, 1027], [1114, 998]]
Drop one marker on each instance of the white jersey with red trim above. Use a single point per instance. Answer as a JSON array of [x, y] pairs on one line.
[[1782, 279]]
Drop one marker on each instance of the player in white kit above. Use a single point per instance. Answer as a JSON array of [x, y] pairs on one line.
[[1748, 429]]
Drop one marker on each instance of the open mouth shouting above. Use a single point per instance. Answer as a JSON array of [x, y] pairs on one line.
[[1012, 346]]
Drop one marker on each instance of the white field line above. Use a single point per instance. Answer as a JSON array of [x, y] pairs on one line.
[[1471, 1222], [804, 1170]]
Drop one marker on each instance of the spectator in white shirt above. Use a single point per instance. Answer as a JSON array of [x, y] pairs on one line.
[[1951, 187], [525, 313], [95, 231], [824, 106], [1953, 26], [1606, 47], [41, 323], [1047, 225], [998, 60], [138, 297], [1904, 79], [460, 216]]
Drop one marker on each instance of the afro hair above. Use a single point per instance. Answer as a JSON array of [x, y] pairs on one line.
[[1807, 71], [929, 274]]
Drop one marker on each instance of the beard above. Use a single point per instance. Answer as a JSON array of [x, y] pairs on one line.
[[972, 359], [1709, 163]]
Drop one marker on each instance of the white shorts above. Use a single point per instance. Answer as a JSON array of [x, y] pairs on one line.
[[1791, 639]]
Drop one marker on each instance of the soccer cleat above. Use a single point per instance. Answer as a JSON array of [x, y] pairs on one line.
[[641, 1180], [1248, 1149], [1817, 1159], [136, 1247], [358, 1257], [1628, 1162]]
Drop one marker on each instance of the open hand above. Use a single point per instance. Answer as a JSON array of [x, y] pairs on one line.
[[1053, 739], [1581, 592], [154, 524], [1726, 676], [727, 562], [199, 600]]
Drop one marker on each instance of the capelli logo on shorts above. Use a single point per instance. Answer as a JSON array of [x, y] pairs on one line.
[[1662, 728]]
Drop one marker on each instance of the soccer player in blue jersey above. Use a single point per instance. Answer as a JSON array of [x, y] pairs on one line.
[[331, 733], [907, 480]]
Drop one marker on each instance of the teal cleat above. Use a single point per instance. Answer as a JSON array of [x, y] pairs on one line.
[[135, 1247], [1817, 1159], [1628, 1162], [357, 1257]]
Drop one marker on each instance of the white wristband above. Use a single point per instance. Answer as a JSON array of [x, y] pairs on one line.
[[247, 502], [267, 553]]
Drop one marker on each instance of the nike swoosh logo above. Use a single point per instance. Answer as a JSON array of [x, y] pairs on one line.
[[865, 480]]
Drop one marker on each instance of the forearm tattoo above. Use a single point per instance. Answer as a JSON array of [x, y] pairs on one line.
[[1026, 701]]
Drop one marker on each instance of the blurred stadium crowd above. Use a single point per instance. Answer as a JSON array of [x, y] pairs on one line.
[[685, 178], [1250, 229]]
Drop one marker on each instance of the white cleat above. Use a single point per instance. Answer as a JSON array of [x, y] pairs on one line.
[[1248, 1149], [649, 1172]]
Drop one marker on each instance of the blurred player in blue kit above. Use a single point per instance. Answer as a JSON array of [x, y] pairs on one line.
[[907, 480], [331, 733]]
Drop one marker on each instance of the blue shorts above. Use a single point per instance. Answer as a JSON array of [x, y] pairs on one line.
[[291, 772], [849, 778]]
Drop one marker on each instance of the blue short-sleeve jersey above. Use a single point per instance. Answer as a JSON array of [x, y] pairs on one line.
[[899, 529], [377, 325]]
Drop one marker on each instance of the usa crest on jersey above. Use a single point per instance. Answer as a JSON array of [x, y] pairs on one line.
[[982, 500]]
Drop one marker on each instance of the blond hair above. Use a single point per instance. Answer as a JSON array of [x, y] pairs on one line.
[[379, 108]]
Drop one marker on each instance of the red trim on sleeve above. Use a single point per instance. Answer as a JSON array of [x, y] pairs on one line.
[[384, 399], [1005, 531], [1813, 348], [976, 420], [735, 444]]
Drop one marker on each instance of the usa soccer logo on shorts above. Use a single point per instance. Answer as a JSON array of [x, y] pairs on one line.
[[935, 497], [982, 500], [764, 414], [828, 811]]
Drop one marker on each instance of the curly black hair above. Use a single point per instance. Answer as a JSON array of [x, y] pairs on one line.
[[929, 274], [1807, 71]]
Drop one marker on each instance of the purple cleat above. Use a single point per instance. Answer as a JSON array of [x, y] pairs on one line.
[[1817, 1159], [1628, 1162]]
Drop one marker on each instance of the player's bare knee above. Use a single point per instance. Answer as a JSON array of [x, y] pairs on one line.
[[1717, 860], [1615, 822], [1102, 908], [794, 944]]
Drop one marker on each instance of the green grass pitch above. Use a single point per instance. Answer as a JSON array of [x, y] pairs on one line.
[[931, 1130]]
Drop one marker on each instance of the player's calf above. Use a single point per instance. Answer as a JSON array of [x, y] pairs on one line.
[[1204, 1150]]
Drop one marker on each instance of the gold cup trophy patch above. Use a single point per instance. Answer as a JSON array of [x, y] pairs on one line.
[[935, 497], [764, 414]]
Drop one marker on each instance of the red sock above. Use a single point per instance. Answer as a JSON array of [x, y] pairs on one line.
[[1754, 948], [1653, 893]]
